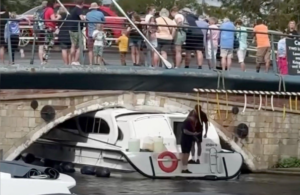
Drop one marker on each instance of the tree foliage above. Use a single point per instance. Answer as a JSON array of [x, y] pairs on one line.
[[140, 6], [276, 13]]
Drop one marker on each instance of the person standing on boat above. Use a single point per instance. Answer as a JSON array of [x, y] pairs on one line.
[[188, 137], [201, 118]]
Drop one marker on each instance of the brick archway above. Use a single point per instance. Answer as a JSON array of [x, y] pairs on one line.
[[140, 101]]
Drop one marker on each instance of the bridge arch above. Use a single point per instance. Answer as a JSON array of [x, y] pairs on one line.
[[141, 101]]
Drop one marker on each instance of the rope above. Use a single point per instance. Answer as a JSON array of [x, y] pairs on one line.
[[242, 92], [198, 102], [296, 103], [217, 96]]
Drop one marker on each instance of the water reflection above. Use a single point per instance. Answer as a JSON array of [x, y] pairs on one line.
[[253, 184]]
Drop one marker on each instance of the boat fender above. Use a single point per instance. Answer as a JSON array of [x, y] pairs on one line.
[[28, 158], [68, 167], [58, 167], [88, 170], [49, 163], [174, 160], [102, 172]]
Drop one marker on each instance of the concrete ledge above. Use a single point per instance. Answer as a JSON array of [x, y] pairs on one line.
[[136, 79]]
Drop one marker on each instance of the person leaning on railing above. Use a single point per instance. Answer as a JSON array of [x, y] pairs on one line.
[[76, 15], [281, 55], [12, 32], [63, 35], [135, 39], [94, 17], [180, 35], [165, 33], [263, 45], [50, 27], [4, 15], [242, 38], [292, 29]]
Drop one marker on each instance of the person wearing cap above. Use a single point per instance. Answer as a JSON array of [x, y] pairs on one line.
[[94, 16]]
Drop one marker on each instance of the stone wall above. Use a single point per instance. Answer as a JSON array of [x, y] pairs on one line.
[[271, 136]]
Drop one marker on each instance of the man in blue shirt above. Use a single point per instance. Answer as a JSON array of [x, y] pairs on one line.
[[94, 16], [227, 43]]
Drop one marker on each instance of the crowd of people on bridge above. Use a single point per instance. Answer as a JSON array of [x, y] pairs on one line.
[[170, 32]]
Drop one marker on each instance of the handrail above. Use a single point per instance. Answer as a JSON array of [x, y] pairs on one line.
[[162, 25]]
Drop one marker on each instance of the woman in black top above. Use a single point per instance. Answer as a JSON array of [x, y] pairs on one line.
[[135, 39], [4, 15], [63, 35], [292, 30]]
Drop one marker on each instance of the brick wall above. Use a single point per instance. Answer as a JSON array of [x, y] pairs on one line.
[[270, 135]]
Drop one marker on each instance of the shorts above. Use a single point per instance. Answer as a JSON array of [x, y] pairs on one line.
[[262, 54], [90, 44], [64, 45], [2, 41], [227, 53], [164, 45], [186, 144], [135, 42], [40, 35], [74, 36], [194, 43], [153, 43], [209, 52], [241, 53], [98, 50], [199, 137], [180, 38]]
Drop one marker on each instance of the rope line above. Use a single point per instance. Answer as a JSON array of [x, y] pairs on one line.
[[242, 92]]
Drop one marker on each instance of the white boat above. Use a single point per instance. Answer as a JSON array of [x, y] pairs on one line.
[[122, 140], [20, 178]]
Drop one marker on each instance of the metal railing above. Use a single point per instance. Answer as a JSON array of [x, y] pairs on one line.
[[62, 39]]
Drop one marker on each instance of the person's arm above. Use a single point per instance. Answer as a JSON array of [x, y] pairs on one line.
[[118, 40], [128, 29], [95, 33], [206, 127], [80, 14], [187, 132]]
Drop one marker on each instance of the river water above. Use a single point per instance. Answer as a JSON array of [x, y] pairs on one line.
[[248, 184]]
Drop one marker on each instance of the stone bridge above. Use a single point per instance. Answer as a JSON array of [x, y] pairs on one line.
[[272, 134]]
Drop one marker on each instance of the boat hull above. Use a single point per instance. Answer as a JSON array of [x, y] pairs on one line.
[[227, 166]]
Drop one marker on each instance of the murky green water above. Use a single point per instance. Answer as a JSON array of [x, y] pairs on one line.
[[251, 184]]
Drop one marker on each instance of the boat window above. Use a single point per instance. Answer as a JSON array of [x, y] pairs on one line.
[[68, 124], [177, 128], [120, 134], [89, 124]]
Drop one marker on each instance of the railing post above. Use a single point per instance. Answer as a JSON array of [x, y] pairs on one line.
[[33, 49], [9, 47], [81, 57], [148, 61], [274, 61], [1, 154], [213, 59]]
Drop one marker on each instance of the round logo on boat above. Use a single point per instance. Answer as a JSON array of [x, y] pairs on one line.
[[174, 160]]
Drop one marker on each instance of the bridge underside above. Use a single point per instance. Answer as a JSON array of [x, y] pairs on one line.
[[137, 79]]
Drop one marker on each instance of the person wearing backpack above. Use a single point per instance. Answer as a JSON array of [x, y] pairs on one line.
[[50, 26], [4, 15], [194, 39], [39, 28], [180, 35], [12, 32]]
